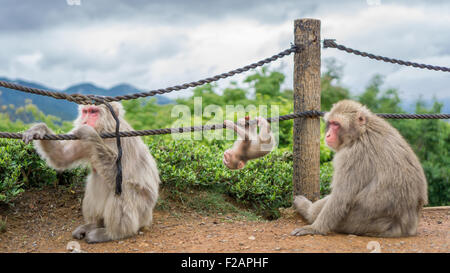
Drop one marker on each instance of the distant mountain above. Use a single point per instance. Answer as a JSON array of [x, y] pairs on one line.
[[85, 89], [61, 108]]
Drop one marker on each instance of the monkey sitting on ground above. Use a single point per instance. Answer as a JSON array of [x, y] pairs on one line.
[[108, 216], [378, 186], [250, 144]]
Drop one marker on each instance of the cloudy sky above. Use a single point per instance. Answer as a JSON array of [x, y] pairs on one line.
[[155, 44]]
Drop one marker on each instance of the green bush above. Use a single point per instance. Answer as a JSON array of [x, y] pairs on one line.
[[21, 167], [264, 184], [10, 186], [438, 178]]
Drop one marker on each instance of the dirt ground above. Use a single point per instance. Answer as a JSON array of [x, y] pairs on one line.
[[42, 221]]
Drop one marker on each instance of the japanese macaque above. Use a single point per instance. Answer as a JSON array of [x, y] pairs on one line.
[[250, 144], [378, 186], [107, 216]]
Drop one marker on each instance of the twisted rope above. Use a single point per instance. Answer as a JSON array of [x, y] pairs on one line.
[[415, 116], [77, 98], [166, 131], [275, 57], [331, 43], [119, 176], [92, 99]]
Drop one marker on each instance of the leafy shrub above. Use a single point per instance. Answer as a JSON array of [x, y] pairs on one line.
[[438, 178], [264, 184], [9, 173], [21, 167]]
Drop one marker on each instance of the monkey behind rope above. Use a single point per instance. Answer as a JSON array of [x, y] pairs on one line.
[[378, 186], [250, 145], [108, 216]]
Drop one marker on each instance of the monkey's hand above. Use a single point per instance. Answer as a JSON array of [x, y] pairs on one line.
[[307, 230], [262, 122], [229, 124], [227, 157], [302, 204], [241, 122], [38, 131], [88, 133], [225, 161], [232, 126]]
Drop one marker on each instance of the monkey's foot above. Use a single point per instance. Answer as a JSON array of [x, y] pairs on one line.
[[306, 230], [97, 235], [80, 232]]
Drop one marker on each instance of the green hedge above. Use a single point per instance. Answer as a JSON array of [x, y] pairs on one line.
[[263, 185], [21, 168]]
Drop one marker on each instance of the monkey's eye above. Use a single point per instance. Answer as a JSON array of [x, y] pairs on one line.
[[84, 111], [334, 124]]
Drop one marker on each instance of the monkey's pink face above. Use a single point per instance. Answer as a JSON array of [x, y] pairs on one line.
[[332, 134], [231, 161], [90, 115]]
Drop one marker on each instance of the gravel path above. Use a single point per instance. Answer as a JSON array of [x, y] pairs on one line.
[[42, 221]]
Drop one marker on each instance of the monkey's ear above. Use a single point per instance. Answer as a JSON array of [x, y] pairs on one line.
[[361, 118], [118, 109], [326, 116], [241, 164]]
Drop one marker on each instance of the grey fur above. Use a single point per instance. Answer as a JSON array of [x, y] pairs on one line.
[[107, 216], [249, 145], [378, 186]]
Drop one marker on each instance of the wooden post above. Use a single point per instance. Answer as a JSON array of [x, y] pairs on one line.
[[306, 149]]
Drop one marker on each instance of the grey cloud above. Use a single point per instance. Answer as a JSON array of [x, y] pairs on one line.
[[21, 23], [29, 14], [128, 54]]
